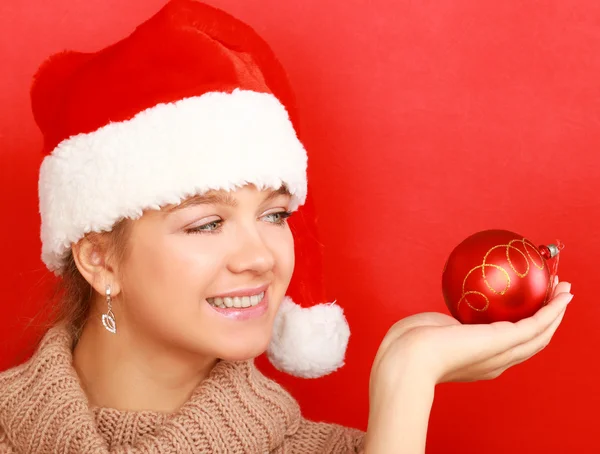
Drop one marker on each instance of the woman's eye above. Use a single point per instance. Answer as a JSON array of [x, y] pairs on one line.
[[278, 218], [206, 228]]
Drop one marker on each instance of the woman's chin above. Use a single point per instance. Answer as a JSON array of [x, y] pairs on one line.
[[249, 350]]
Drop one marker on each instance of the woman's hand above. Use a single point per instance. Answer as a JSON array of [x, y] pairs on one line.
[[444, 350], [425, 349]]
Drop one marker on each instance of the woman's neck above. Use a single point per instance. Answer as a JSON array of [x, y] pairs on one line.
[[131, 373]]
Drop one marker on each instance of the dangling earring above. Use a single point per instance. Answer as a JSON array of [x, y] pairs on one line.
[[108, 319]]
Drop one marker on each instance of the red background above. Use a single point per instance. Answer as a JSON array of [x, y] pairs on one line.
[[426, 121]]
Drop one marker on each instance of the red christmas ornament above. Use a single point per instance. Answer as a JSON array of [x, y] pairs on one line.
[[497, 275]]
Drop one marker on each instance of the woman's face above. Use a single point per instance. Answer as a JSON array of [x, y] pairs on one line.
[[208, 275]]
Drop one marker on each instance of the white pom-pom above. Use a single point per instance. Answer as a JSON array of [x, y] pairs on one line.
[[308, 342]]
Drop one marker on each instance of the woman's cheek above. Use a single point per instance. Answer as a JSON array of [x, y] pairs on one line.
[[284, 253]]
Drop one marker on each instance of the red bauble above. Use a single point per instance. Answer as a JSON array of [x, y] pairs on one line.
[[497, 275]]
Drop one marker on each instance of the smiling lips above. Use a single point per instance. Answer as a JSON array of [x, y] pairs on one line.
[[242, 304], [236, 301]]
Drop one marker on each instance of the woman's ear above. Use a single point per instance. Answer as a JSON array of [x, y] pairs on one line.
[[92, 262]]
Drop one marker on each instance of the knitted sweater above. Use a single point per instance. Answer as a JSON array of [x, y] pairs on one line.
[[43, 409]]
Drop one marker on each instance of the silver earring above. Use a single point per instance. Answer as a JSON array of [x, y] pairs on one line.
[[108, 319]]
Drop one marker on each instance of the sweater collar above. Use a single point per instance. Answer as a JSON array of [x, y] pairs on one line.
[[236, 409]]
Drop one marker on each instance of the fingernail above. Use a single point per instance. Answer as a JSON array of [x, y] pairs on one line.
[[569, 298]]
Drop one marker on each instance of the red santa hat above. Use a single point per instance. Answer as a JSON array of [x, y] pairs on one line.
[[193, 100]]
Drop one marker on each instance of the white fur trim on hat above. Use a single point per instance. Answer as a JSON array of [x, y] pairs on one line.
[[163, 155], [308, 342]]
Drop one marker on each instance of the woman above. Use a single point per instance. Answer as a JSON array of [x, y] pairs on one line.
[[173, 165]]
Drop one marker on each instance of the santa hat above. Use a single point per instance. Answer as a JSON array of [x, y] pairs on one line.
[[193, 100]]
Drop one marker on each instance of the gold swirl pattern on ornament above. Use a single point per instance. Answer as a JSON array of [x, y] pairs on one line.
[[526, 245]]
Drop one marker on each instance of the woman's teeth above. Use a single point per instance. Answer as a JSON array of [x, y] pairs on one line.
[[238, 301]]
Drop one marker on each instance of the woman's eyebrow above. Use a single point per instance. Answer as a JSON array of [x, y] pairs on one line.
[[274, 194], [220, 199], [209, 199]]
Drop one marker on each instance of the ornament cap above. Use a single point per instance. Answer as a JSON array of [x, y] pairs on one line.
[[551, 250]]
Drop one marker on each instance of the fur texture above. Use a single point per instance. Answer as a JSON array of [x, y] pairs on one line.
[[309, 342], [161, 156]]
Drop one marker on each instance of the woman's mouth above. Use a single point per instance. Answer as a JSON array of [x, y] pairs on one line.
[[239, 302], [245, 307]]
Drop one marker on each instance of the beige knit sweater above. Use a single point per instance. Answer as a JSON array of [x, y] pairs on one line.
[[43, 409]]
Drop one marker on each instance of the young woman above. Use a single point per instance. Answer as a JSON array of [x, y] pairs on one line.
[[173, 163]]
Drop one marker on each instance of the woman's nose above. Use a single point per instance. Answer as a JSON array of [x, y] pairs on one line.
[[251, 253]]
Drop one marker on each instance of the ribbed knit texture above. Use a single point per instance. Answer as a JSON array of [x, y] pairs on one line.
[[43, 409]]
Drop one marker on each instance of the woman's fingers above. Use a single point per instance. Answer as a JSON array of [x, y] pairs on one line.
[[510, 358], [480, 343], [532, 327], [525, 351], [561, 287], [554, 286], [493, 367], [522, 354]]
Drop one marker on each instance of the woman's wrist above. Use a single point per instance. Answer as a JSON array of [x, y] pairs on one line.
[[399, 413]]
